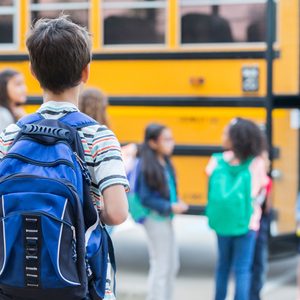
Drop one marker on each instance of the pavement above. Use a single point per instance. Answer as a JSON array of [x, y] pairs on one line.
[[198, 255]]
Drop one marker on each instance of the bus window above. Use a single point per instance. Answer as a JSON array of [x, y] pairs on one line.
[[203, 23], [134, 22], [7, 23], [78, 10]]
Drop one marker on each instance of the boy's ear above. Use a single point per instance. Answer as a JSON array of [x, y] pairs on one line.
[[85, 74]]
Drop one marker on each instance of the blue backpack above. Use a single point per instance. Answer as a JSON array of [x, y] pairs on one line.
[[52, 245], [137, 210]]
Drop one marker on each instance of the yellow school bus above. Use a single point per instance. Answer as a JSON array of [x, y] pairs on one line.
[[192, 65]]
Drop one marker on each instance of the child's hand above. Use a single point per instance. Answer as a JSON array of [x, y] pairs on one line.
[[298, 229], [179, 208]]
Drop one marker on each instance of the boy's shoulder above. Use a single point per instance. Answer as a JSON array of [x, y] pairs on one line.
[[7, 138], [10, 130]]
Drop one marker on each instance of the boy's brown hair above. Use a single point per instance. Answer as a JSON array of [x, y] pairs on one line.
[[58, 51]]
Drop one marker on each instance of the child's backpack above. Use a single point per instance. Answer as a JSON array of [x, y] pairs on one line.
[[229, 206], [137, 210], [52, 245]]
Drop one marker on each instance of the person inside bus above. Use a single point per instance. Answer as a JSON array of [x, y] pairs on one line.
[[6, 28], [132, 29], [156, 188], [12, 96], [256, 30], [206, 28], [236, 177]]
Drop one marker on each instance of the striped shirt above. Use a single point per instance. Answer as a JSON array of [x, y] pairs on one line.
[[101, 149]]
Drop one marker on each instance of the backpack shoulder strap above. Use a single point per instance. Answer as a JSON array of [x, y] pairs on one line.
[[29, 119], [219, 157], [78, 120]]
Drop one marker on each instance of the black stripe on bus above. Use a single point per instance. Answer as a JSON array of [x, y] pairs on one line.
[[280, 101], [196, 150], [286, 101], [188, 101], [183, 55], [204, 150], [161, 56], [207, 150], [178, 101]]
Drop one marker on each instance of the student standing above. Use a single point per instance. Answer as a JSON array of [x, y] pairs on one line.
[[60, 54], [260, 260], [12, 95], [157, 191], [235, 179]]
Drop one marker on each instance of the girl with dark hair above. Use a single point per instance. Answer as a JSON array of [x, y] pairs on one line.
[[236, 178], [156, 188], [12, 96]]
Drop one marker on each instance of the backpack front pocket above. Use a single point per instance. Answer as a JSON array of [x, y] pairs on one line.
[[38, 241]]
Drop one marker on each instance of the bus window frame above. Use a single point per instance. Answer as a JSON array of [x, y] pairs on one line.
[[256, 46], [133, 4], [14, 11], [61, 6]]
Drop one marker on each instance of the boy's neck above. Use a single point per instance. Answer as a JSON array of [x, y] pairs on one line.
[[70, 95]]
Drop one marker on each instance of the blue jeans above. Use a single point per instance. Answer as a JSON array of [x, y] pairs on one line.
[[259, 267], [235, 252]]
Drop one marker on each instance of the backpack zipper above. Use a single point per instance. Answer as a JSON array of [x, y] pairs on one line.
[[39, 163]]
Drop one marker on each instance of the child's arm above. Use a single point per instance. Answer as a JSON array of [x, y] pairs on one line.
[[152, 199], [115, 209], [259, 176], [210, 166], [109, 176]]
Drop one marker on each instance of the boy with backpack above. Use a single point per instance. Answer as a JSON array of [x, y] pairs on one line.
[[236, 178], [56, 167]]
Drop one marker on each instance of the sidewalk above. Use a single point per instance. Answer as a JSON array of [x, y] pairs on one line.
[[198, 253]]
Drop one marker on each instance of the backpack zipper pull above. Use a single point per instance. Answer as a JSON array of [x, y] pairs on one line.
[[74, 252], [74, 233], [88, 269]]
